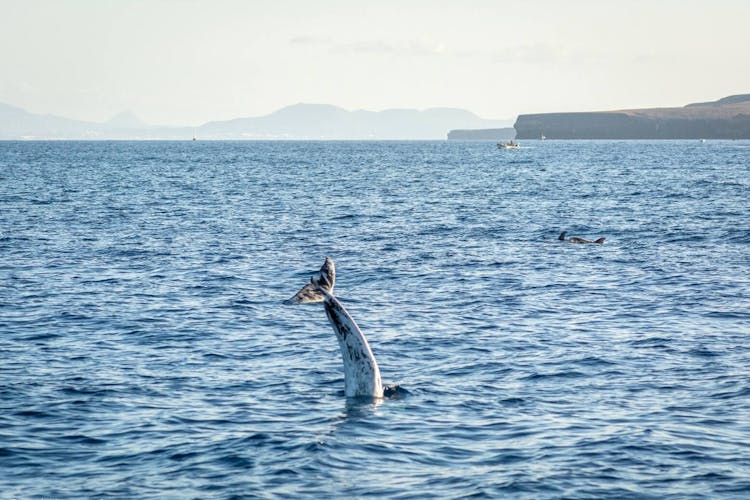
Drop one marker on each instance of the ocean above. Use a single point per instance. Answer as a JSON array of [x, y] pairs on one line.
[[146, 352]]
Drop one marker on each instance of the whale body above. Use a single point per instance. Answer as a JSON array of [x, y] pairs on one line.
[[576, 239], [361, 371]]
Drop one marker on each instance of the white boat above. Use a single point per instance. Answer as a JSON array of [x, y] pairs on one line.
[[508, 145]]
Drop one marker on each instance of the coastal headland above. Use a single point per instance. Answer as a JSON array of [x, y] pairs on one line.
[[727, 118]]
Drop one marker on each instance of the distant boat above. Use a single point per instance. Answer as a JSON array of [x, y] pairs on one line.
[[542, 137], [195, 136], [508, 145]]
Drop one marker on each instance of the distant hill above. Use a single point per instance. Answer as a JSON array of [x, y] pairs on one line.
[[17, 123], [322, 121], [125, 120], [483, 134], [727, 118], [300, 121]]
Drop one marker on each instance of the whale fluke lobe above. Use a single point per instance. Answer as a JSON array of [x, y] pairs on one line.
[[326, 277], [308, 294], [322, 281], [361, 371]]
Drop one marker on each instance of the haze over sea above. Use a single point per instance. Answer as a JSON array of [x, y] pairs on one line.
[[146, 352]]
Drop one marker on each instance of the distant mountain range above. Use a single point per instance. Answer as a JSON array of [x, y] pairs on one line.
[[17, 123], [727, 118], [300, 121]]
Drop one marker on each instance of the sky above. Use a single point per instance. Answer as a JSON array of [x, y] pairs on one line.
[[186, 62]]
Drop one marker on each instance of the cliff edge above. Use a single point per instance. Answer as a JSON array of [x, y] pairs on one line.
[[727, 118]]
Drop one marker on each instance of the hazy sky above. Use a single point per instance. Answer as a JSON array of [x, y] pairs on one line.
[[187, 62]]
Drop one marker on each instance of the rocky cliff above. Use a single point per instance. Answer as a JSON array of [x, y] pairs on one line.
[[727, 118]]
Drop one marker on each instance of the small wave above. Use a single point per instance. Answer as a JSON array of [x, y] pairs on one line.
[[730, 315], [33, 414], [82, 439], [513, 401], [561, 374], [739, 393], [703, 352]]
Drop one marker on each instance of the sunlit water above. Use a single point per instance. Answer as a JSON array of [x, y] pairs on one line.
[[146, 352]]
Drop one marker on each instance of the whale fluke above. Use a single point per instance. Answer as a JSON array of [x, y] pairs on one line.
[[361, 371], [323, 280]]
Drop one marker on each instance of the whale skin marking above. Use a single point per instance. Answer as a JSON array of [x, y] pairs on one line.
[[361, 372]]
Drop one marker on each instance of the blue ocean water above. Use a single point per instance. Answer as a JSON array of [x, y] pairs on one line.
[[146, 352]]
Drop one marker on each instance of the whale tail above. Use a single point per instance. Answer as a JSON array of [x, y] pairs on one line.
[[600, 241], [321, 284], [361, 371]]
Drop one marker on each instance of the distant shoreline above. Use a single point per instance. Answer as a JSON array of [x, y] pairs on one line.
[[727, 118], [395, 141], [299, 121]]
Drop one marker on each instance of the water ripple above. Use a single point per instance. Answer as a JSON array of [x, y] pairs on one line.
[[146, 352]]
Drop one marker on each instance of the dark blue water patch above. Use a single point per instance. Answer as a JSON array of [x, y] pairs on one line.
[[731, 315], [740, 393], [146, 352]]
